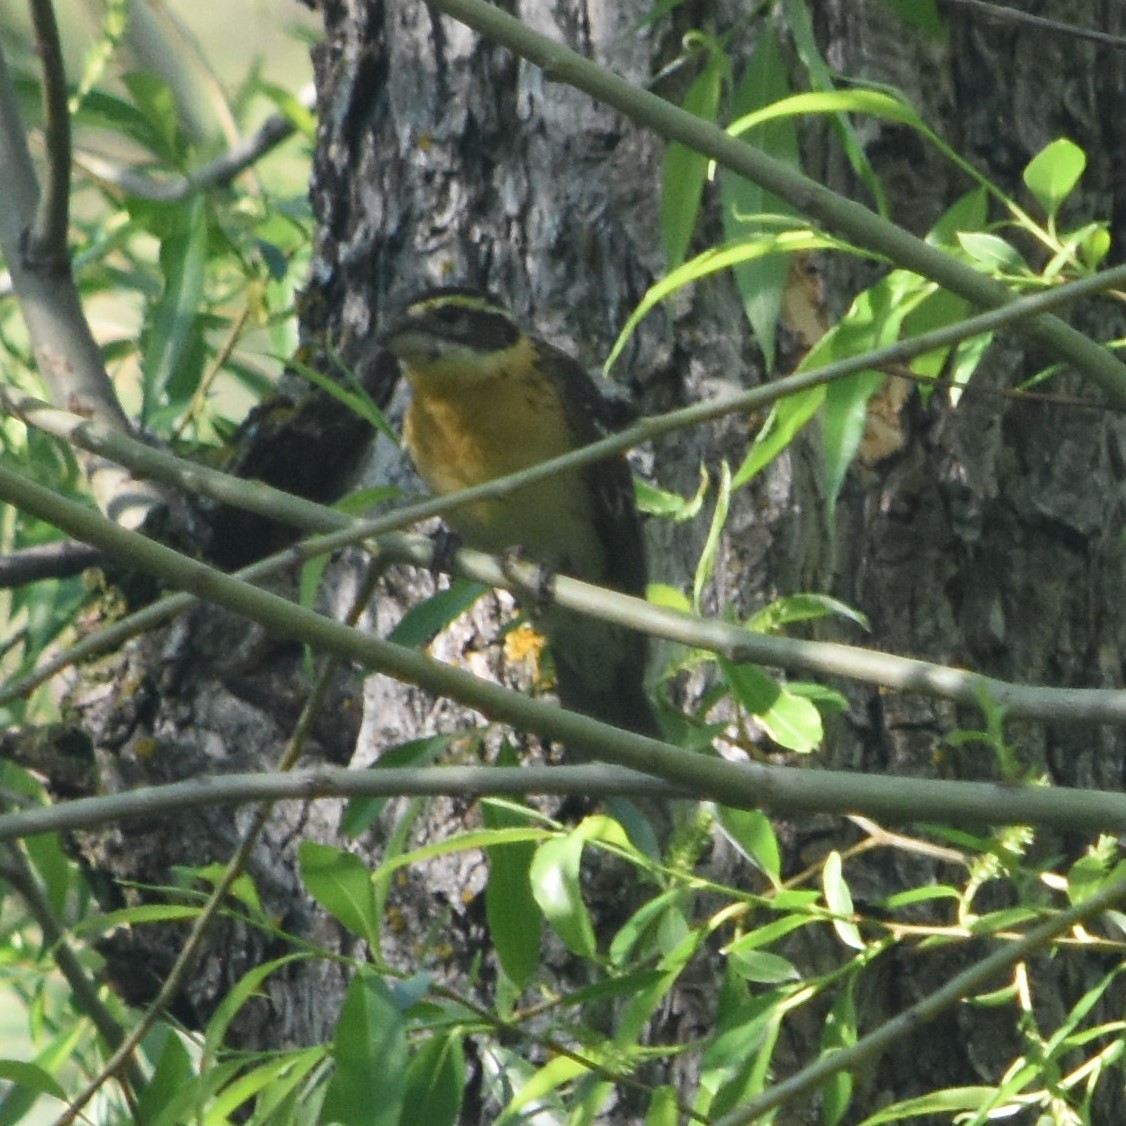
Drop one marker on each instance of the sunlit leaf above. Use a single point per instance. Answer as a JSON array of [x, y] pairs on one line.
[[839, 900], [557, 889], [1051, 175]]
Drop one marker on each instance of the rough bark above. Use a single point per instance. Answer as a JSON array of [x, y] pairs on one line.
[[991, 539]]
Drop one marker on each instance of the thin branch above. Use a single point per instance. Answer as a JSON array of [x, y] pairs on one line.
[[46, 245], [982, 975], [215, 173], [330, 782], [833, 211], [1000, 14], [145, 461], [66, 353], [61, 560], [1070, 705], [781, 789], [752, 785]]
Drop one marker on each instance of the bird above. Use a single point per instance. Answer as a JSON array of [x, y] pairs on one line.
[[489, 399]]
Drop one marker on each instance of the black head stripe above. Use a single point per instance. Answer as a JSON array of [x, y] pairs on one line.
[[465, 316]]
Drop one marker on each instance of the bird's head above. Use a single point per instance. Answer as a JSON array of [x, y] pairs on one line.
[[453, 332]]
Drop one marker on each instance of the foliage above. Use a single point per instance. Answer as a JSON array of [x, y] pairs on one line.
[[209, 281]]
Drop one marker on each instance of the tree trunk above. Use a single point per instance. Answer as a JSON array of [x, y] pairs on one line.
[[990, 537]]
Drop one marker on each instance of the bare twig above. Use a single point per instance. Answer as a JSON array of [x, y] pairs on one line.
[[61, 560], [215, 173], [1002, 14], [46, 242], [882, 797], [329, 782], [905, 674]]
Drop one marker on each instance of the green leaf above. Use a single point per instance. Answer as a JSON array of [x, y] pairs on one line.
[[685, 170], [790, 720], [873, 321], [290, 107], [663, 1108], [436, 1081], [31, 1077], [362, 812], [761, 281], [357, 399], [941, 1103], [763, 968], [839, 1032], [966, 213], [806, 607], [157, 105], [557, 889], [994, 255], [710, 552], [100, 110], [369, 1051], [1051, 175], [424, 621], [248, 986], [721, 258], [752, 833], [183, 260], [821, 79], [786, 420], [839, 900], [341, 883], [172, 1071], [1095, 246], [641, 925], [671, 506], [845, 420], [278, 1101], [510, 906]]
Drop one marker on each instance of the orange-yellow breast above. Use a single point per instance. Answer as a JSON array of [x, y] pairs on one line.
[[463, 429]]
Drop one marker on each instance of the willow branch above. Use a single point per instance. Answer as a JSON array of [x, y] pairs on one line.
[[751, 785], [1064, 704], [835, 212], [1003, 13]]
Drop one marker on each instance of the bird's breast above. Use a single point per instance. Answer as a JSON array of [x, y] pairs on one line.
[[467, 435]]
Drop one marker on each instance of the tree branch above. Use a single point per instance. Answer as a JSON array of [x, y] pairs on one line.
[[46, 243], [834, 211], [65, 351], [1000, 13], [215, 173], [781, 789], [905, 674], [61, 560], [751, 785]]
